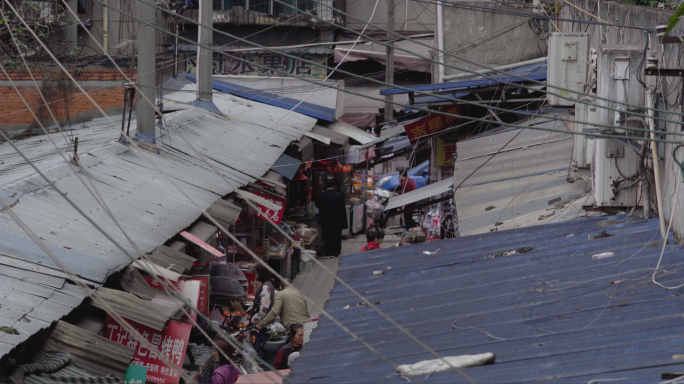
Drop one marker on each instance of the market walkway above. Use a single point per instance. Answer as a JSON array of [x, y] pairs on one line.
[[317, 284]]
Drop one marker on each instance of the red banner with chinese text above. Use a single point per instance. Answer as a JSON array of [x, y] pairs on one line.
[[264, 212], [431, 124], [171, 343], [203, 300], [346, 168]]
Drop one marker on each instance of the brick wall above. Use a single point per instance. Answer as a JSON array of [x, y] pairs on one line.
[[105, 86]]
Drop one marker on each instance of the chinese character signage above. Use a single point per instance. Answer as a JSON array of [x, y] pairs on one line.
[[271, 65], [264, 212], [171, 343], [346, 168], [203, 299], [445, 153], [431, 124]]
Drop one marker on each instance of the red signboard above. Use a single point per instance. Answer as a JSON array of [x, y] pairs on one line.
[[346, 168], [431, 124], [171, 343], [264, 212], [203, 300]]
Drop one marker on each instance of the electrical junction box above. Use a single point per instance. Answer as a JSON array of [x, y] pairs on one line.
[[568, 65], [615, 162]]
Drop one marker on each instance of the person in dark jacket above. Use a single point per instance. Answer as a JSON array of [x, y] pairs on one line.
[[343, 215], [296, 333], [330, 219]]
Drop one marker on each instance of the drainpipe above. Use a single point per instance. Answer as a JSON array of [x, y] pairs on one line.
[[656, 162], [440, 42]]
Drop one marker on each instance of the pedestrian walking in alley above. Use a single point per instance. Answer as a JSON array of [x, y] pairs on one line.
[[331, 217], [406, 184], [345, 223]]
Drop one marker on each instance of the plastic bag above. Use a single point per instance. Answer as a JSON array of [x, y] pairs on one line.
[[432, 222], [276, 331], [249, 362]]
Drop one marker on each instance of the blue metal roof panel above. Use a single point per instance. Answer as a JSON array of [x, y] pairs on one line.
[[551, 314], [528, 72], [313, 110]]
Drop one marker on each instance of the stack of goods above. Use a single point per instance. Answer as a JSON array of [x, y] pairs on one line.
[[306, 234]]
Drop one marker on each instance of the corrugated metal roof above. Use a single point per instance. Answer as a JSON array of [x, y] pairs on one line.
[[286, 166], [552, 314], [523, 185], [224, 213], [131, 307], [419, 194], [530, 72], [346, 129], [89, 351], [308, 109], [145, 203], [335, 137]]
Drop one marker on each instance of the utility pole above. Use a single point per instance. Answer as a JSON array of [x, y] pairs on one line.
[[147, 77], [389, 68], [204, 55]]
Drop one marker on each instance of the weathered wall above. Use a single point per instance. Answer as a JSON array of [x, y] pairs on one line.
[[671, 54], [105, 86], [475, 35], [409, 15]]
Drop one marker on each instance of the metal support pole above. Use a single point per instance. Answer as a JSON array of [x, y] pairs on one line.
[[71, 31], [656, 162], [389, 67], [205, 56], [105, 26], [440, 42], [146, 70], [175, 54]]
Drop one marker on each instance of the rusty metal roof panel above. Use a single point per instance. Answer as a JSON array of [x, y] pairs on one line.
[[132, 307]]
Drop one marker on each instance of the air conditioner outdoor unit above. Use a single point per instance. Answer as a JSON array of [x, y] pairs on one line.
[[568, 62], [615, 163], [583, 147]]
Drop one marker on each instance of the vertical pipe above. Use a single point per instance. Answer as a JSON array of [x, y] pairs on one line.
[[146, 70], [205, 55], [440, 42], [656, 162], [175, 54], [389, 68]]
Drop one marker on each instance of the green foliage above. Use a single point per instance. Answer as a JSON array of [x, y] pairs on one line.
[[674, 19]]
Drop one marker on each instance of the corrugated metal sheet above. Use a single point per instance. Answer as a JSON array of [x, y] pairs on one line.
[[523, 185], [224, 213], [530, 72], [358, 134], [335, 137], [549, 315], [308, 109], [170, 258], [145, 203], [132, 307], [419, 194], [286, 166], [89, 351]]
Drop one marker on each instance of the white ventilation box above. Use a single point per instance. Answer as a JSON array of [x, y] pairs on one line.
[[615, 163], [568, 63]]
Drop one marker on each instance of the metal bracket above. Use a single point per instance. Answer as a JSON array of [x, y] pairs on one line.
[[665, 72]]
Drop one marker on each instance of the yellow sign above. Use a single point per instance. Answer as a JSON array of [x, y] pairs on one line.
[[445, 153]]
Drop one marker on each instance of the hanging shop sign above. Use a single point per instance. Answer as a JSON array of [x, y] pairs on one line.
[[265, 212], [431, 124], [171, 343], [203, 299], [445, 153], [346, 168]]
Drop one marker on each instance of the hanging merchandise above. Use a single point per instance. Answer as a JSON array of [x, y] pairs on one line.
[[431, 223]]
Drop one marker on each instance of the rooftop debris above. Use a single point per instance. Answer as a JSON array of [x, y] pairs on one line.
[[508, 253]]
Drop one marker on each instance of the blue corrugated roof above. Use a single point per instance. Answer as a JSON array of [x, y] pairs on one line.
[[308, 109], [551, 314], [530, 72]]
